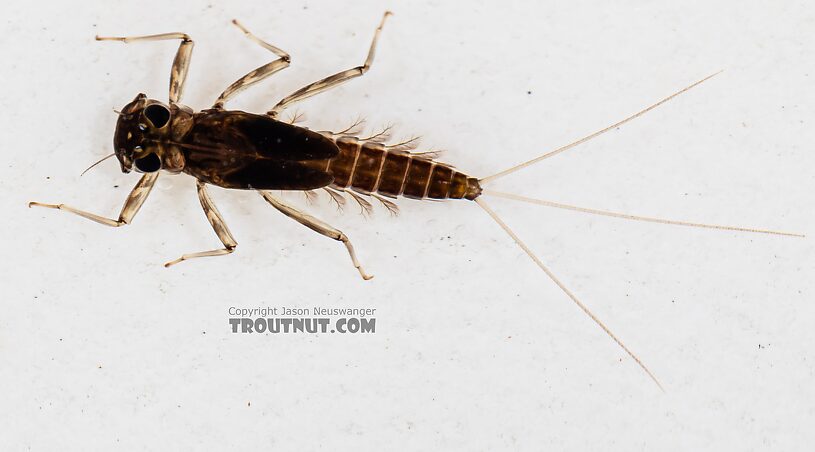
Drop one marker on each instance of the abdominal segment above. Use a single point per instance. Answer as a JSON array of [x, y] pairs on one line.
[[371, 168]]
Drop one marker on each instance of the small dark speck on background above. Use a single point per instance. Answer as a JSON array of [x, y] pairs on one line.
[[115, 186], [529, 92]]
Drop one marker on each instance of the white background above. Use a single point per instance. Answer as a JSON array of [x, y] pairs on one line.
[[101, 348]]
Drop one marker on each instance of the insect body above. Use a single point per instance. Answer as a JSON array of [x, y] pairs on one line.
[[239, 150]]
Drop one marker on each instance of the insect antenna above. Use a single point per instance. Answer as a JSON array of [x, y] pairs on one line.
[[625, 216], [521, 166], [97, 162], [583, 307]]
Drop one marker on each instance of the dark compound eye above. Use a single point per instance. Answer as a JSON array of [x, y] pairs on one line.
[[149, 163], [157, 114]]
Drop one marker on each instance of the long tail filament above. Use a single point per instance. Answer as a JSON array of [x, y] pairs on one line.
[[505, 227], [626, 216], [593, 135]]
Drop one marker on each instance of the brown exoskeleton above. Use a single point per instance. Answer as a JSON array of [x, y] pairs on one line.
[[239, 150]]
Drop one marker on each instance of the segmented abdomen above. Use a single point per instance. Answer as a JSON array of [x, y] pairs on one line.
[[368, 167]]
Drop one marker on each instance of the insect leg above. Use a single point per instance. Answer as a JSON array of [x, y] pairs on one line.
[[332, 81], [132, 204], [181, 63], [258, 74], [317, 226], [218, 225]]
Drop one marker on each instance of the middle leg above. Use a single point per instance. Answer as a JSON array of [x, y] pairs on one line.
[[258, 74], [218, 225]]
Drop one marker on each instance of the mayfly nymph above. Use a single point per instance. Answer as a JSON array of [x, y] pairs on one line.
[[239, 150]]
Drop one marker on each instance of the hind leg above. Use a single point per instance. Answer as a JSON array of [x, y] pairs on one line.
[[317, 226], [332, 81], [258, 74]]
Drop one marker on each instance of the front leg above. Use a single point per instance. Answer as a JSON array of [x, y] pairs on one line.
[[218, 225], [181, 63], [132, 205]]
